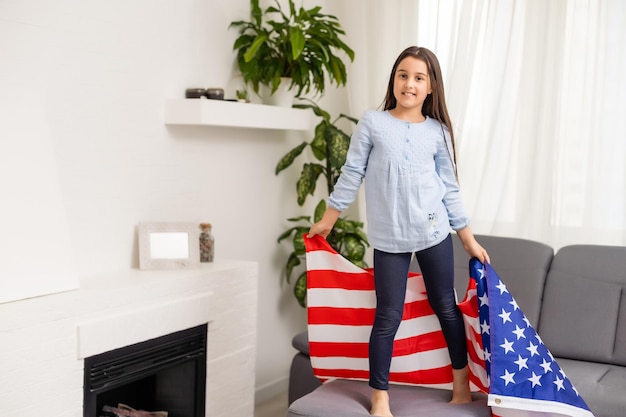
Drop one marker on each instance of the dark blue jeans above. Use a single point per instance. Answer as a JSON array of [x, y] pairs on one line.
[[390, 278]]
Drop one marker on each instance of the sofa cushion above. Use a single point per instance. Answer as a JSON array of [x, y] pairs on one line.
[[583, 312], [343, 398], [601, 385], [522, 264]]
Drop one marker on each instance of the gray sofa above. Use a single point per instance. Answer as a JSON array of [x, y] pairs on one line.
[[575, 299]]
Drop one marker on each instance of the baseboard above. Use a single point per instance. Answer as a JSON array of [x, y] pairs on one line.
[[271, 390]]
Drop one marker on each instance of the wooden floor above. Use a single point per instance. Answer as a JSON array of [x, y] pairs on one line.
[[273, 407]]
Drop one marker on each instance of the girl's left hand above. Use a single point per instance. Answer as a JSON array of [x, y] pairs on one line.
[[471, 246], [475, 250]]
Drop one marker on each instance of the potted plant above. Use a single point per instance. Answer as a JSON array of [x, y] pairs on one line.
[[302, 45], [242, 95], [329, 146]]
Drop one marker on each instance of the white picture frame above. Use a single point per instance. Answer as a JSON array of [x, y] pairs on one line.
[[168, 245]]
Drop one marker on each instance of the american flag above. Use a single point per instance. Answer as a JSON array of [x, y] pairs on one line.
[[523, 373], [341, 303]]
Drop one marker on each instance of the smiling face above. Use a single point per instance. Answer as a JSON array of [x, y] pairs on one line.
[[411, 85]]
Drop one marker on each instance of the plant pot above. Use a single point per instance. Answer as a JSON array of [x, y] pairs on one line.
[[282, 97]]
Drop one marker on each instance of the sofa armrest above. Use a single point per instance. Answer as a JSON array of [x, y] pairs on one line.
[[301, 378], [300, 342]]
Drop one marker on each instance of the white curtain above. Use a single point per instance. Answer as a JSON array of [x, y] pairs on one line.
[[537, 93]]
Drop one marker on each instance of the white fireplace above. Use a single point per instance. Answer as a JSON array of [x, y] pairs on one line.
[[45, 339]]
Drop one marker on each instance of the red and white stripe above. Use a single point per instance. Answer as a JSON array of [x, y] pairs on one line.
[[341, 305]]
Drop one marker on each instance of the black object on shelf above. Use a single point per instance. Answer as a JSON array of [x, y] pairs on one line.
[[215, 93], [195, 93]]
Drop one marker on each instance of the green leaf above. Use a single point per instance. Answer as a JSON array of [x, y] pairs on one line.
[[299, 230], [300, 218], [352, 119], [307, 181], [298, 241], [256, 12], [339, 44], [320, 209], [361, 234], [252, 50], [316, 109], [292, 262], [334, 239], [243, 41], [339, 143], [288, 159], [296, 36], [338, 70], [346, 225], [318, 144], [314, 11], [299, 290], [360, 264], [275, 81], [286, 234], [292, 8], [353, 249]]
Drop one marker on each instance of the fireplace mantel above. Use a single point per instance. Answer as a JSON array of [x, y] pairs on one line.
[[46, 338]]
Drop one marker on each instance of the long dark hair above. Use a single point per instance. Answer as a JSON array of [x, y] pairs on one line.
[[435, 103]]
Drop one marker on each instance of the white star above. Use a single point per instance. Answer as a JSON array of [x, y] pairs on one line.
[[505, 316], [481, 271], [508, 377], [487, 355], [521, 362], [484, 327], [501, 287], [508, 346], [559, 384], [484, 300], [547, 366], [514, 304], [535, 380], [519, 332], [526, 321], [539, 339], [532, 349]]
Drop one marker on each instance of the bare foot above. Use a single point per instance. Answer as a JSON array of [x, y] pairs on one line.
[[380, 404], [460, 386]]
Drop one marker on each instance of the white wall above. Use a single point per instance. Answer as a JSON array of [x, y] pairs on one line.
[[91, 79]]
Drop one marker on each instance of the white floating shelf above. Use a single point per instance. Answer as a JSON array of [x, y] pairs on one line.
[[234, 114]]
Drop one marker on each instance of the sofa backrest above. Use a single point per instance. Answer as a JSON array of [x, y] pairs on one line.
[[522, 264], [583, 313]]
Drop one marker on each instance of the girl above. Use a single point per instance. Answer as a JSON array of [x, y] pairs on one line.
[[406, 155]]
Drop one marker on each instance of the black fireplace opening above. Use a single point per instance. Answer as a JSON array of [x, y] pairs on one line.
[[163, 374]]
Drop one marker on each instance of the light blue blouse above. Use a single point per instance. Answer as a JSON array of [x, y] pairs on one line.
[[411, 193]]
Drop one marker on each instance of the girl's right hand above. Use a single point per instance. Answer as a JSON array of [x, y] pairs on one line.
[[325, 226], [321, 229]]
